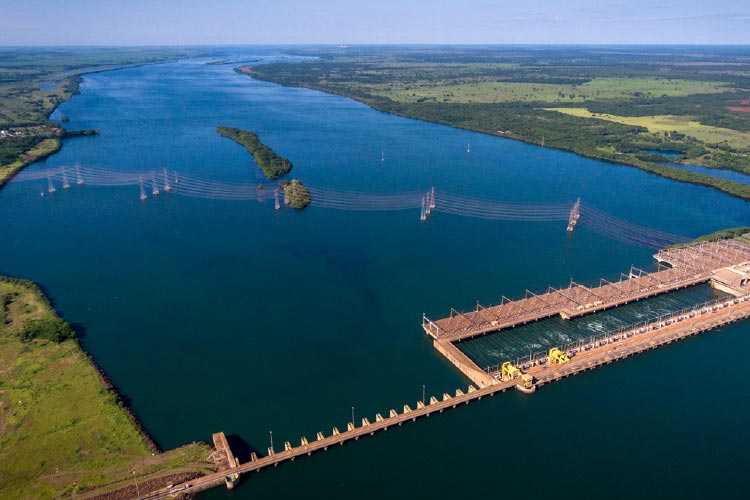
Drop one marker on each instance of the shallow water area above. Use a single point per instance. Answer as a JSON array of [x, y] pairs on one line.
[[224, 315]]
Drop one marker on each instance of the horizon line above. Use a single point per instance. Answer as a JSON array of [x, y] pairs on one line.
[[365, 44]]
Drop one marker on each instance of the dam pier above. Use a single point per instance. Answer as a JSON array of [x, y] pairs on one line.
[[725, 264]]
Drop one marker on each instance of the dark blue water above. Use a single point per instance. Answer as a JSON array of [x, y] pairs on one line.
[[713, 172], [214, 315]]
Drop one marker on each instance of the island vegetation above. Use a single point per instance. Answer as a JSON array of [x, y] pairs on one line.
[[272, 165], [296, 194], [621, 105], [63, 428]]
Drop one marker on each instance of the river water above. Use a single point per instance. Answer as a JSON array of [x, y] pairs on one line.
[[221, 315]]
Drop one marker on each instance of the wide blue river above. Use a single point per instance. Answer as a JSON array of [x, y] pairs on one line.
[[227, 315]]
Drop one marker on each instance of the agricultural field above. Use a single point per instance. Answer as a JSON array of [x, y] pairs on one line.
[[695, 103], [598, 88], [667, 123]]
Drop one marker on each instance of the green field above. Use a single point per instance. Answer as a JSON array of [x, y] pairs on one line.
[[667, 123], [665, 100], [499, 91], [61, 430]]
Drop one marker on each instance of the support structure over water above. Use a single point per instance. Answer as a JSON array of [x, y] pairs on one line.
[[689, 266], [731, 276], [575, 215]]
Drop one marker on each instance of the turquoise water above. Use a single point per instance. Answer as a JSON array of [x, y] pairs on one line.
[[214, 315], [541, 336]]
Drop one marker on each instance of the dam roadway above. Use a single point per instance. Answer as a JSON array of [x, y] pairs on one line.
[[621, 345]]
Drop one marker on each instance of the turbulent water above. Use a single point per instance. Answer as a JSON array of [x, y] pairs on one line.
[[214, 314], [541, 336]]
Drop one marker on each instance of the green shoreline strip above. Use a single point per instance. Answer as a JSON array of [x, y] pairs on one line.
[[63, 427], [723, 234], [501, 120]]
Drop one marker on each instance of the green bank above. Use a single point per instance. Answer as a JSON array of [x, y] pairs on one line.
[[536, 97], [63, 428]]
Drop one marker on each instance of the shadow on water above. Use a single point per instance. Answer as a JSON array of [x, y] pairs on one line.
[[242, 449]]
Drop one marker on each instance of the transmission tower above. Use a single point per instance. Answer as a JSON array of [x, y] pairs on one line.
[[143, 191], [276, 205], [423, 215], [50, 186], [79, 179], [154, 187], [575, 215], [66, 184], [167, 187], [432, 198]]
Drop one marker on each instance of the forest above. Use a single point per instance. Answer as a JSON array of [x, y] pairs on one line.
[[579, 99]]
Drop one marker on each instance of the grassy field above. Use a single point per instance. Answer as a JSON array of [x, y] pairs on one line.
[[667, 123], [654, 99], [499, 91], [61, 430]]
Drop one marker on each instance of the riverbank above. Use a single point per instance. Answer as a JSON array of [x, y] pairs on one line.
[[534, 97], [37, 81], [723, 234], [64, 429]]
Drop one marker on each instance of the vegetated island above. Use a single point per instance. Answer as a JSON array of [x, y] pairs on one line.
[[638, 106], [272, 165], [296, 193], [64, 430]]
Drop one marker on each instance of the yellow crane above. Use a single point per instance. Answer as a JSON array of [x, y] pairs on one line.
[[557, 357], [509, 372]]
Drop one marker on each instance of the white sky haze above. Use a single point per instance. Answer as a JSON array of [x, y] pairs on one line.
[[219, 22]]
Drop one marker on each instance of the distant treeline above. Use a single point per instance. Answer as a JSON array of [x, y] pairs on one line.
[[529, 122], [272, 165]]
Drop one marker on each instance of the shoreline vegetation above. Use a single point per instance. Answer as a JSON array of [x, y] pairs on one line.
[[34, 82], [273, 166], [722, 234], [64, 429], [620, 105]]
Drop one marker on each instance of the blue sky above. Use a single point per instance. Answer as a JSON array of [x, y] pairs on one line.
[[180, 22]]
